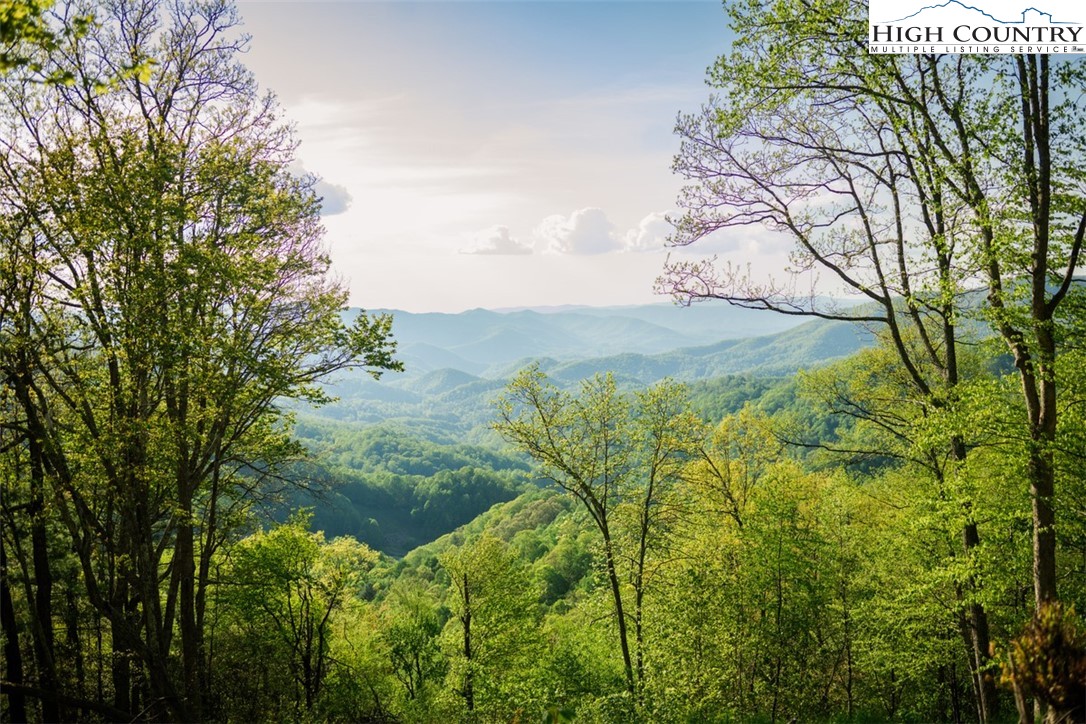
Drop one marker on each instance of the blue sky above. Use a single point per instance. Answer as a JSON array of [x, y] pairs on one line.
[[494, 154]]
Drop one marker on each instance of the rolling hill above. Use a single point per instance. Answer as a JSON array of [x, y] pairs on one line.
[[411, 456], [480, 341], [456, 364]]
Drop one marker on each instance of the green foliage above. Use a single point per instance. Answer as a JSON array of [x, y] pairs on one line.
[[287, 588], [166, 317], [621, 456], [22, 21], [165, 290], [28, 35], [410, 626], [493, 636], [395, 490], [720, 397]]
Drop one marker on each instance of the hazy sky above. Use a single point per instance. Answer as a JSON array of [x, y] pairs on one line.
[[491, 154]]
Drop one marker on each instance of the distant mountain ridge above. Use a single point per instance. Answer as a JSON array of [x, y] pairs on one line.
[[457, 364], [482, 342], [816, 342], [413, 455]]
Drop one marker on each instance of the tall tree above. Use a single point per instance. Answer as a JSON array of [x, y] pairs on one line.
[[288, 583], [410, 628], [619, 455], [910, 180], [495, 605], [180, 292]]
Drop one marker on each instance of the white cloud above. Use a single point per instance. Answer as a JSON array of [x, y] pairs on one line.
[[586, 231], [335, 199], [497, 240], [651, 233]]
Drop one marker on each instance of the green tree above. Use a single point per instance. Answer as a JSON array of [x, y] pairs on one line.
[[288, 584], [620, 456], [410, 628], [908, 178], [754, 617], [22, 23], [495, 606], [666, 436], [173, 291], [977, 160]]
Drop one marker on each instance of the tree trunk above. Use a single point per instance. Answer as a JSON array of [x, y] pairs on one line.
[[44, 649], [207, 550], [41, 608], [639, 592], [1038, 373], [1042, 487], [13, 657], [975, 619], [191, 653], [980, 638], [469, 684], [74, 642], [616, 593], [120, 670]]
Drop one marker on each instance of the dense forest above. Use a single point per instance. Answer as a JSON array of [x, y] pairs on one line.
[[895, 533]]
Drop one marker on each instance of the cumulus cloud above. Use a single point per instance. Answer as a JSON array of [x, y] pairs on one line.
[[335, 199], [651, 233], [587, 231], [497, 240]]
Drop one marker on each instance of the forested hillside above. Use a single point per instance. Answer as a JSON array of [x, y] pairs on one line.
[[226, 496], [453, 401], [394, 490], [398, 485]]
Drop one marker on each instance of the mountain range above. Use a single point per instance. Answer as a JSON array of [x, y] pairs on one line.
[[485, 342], [456, 364], [412, 455]]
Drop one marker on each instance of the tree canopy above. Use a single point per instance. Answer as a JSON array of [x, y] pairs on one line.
[[165, 288], [898, 535]]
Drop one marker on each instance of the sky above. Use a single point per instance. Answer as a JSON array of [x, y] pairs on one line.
[[493, 154]]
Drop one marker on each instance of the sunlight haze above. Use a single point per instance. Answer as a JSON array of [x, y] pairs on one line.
[[493, 154]]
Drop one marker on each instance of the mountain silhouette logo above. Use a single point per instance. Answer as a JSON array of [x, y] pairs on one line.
[[961, 11], [976, 26]]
